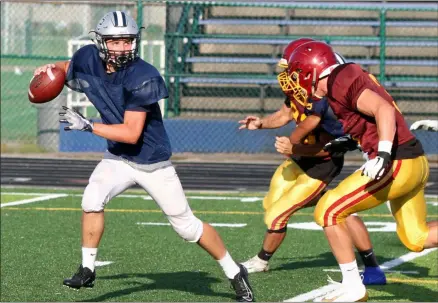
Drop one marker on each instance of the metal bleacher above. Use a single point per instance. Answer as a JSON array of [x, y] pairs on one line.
[[229, 51]]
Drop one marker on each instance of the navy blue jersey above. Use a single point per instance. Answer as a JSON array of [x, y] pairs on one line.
[[329, 122], [139, 86]]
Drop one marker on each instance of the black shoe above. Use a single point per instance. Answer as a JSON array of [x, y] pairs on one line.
[[82, 278], [241, 285]]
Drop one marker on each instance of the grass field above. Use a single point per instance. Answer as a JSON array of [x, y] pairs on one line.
[[40, 245]]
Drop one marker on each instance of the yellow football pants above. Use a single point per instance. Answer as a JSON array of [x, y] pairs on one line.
[[403, 185], [290, 190]]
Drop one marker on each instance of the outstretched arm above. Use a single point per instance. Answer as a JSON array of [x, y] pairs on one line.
[[278, 119], [127, 132]]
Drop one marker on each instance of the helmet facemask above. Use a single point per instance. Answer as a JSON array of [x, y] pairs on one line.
[[290, 85], [118, 59]]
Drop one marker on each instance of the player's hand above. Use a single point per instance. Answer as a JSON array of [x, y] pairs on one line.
[[341, 145], [251, 123], [375, 168], [76, 120], [43, 69], [430, 125], [283, 145]]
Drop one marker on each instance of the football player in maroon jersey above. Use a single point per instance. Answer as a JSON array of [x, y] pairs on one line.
[[299, 181], [397, 169]]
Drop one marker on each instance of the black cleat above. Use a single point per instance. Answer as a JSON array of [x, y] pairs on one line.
[[82, 278], [240, 284]]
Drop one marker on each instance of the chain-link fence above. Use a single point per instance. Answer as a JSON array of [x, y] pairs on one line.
[[219, 61]]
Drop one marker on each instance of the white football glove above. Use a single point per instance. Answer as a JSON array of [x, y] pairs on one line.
[[76, 120], [430, 125], [375, 168]]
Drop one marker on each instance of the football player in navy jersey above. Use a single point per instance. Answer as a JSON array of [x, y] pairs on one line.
[[300, 180], [125, 90]]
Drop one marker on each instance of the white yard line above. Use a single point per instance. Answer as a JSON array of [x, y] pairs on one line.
[[33, 200], [212, 224], [385, 266], [147, 197]]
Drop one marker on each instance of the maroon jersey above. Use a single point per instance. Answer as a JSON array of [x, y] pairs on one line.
[[345, 85]]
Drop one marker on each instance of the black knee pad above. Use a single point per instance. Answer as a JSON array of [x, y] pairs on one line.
[[278, 231]]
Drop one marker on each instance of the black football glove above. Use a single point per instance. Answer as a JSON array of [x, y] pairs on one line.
[[341, 145]]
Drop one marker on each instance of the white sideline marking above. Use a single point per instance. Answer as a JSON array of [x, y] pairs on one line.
[[212, 224], [313, 294], [405, 258], [102, 263], [412, 272], [385, 266], [228, 224], [33, 200]]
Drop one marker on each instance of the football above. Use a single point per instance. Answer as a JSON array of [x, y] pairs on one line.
[[46, 86]]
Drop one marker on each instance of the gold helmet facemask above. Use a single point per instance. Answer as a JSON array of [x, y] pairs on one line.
[[290, 85]]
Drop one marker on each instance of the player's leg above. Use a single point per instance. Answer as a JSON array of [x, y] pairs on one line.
[[355, 194], [283, 179], [410, 210], [372, 274], [290, 190], [109, 178], [165, 188], [331, 213]]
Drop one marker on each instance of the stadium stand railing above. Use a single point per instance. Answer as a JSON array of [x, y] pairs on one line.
[[230, 50]]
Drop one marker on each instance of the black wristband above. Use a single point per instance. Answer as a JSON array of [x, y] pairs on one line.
[[385, 156]]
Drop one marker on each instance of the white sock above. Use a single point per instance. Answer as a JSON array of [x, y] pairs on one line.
[[350, 273], [89, 257], [228, 265]]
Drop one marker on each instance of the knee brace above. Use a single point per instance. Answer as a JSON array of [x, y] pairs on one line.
[[190, 228]]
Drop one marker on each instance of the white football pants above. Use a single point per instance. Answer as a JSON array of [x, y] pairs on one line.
[[112, 177]]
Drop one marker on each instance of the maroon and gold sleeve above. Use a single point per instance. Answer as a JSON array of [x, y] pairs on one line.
[[340, 82]]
